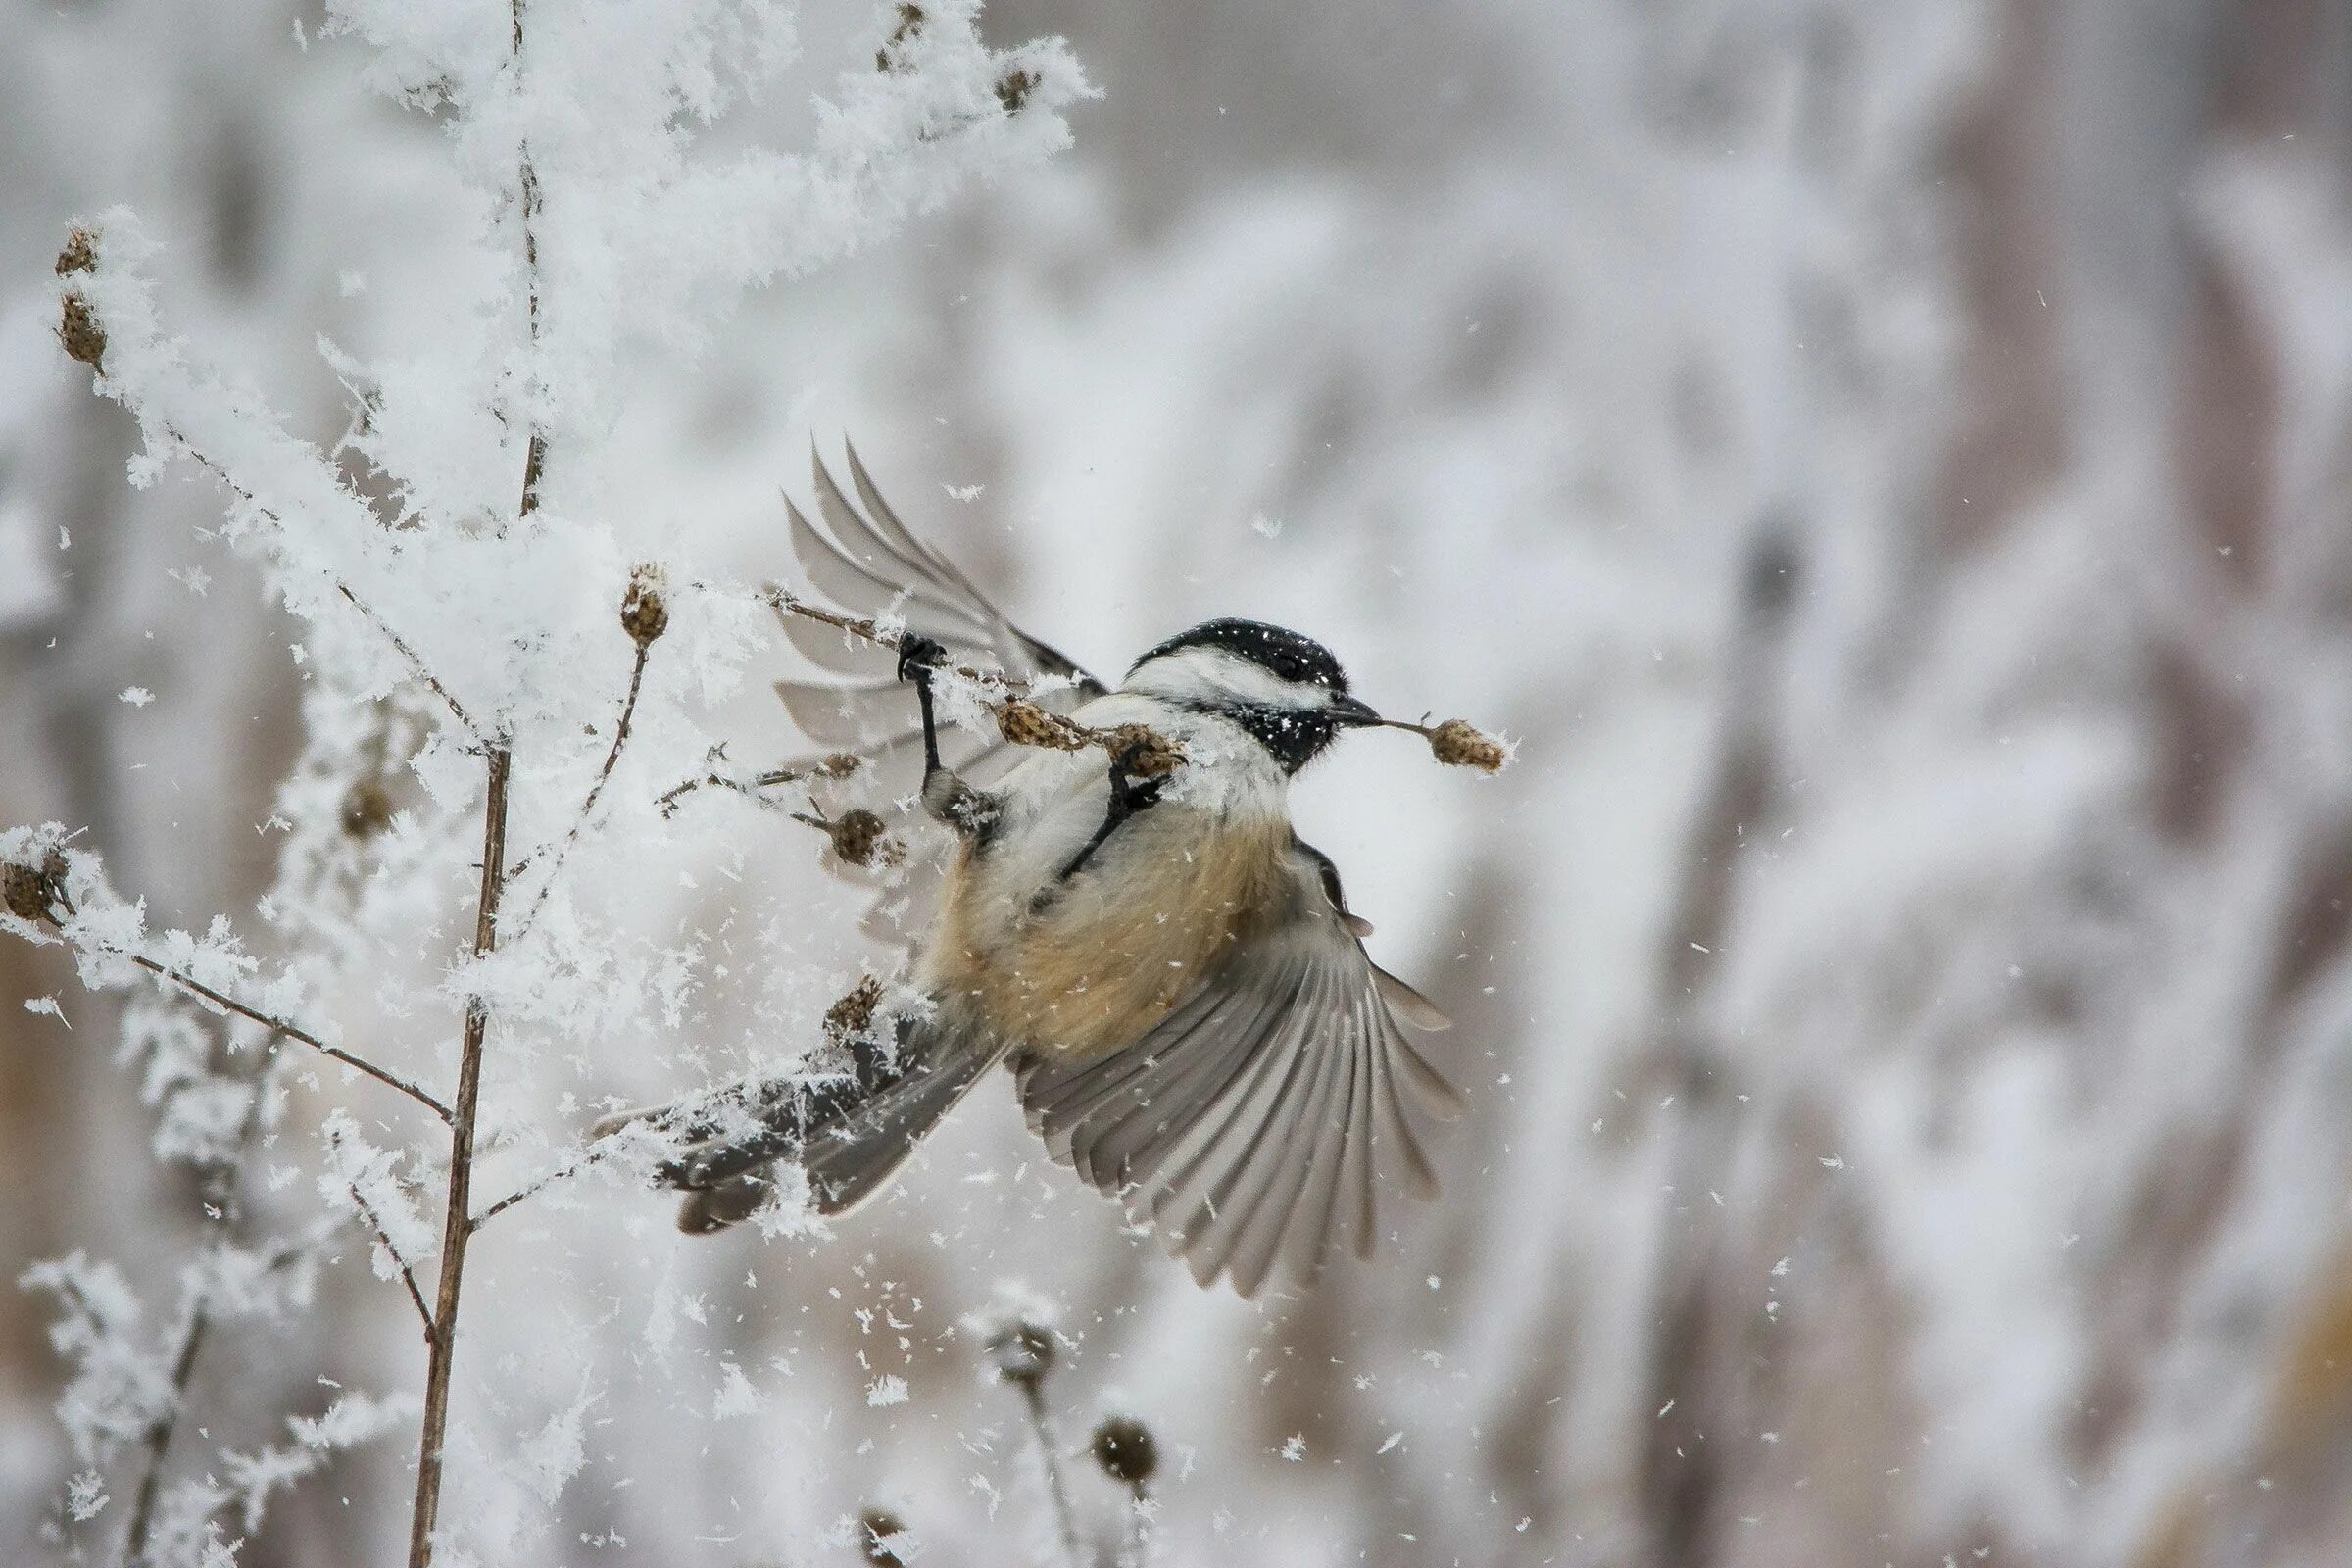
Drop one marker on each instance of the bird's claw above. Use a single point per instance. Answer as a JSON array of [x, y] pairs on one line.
[[918, 656]]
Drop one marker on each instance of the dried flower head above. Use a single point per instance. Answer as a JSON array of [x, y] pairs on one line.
[[80, 254], [1143, 753], [367, 809], [860, 838], [1022, 1352], [882, 1528], [853, 1014], [1024, 723], [1014, 88], [31, 892], [910, 23], [1459, 743], [644, 613], [1126, 1450], [79, 330], [841, 765]]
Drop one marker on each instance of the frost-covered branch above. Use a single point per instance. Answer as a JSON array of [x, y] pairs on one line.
[[54, 894]]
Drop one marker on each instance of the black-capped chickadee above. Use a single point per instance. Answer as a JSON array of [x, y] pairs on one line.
[[1171, 973]]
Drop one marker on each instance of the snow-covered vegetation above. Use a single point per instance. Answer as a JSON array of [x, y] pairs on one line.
[[1886, 459]]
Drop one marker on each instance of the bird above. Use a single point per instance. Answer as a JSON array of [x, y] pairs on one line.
[[1171, 974]]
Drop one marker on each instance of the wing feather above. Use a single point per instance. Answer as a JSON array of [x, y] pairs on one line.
[[866, 562], [1256, 1123]]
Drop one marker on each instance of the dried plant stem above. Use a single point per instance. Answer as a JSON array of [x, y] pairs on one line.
[[580, 1161], [416, 665], [1058, 1491], [456, 1221], [222, 1179], [669, 800], [292, 1032], [383, 1237], [595, 790]]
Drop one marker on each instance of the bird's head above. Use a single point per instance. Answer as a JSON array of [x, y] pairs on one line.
[[1286, 690]]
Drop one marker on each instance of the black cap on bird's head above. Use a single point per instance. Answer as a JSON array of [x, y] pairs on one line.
[[1285, 689]]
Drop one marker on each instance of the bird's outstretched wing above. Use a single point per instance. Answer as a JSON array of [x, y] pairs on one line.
[[1260, 1118], [868, 562]]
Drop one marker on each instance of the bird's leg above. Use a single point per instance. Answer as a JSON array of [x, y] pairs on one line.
[[1128, 796], [969, 811]]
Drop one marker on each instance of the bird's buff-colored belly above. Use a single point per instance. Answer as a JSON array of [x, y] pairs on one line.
[[1094, 966]]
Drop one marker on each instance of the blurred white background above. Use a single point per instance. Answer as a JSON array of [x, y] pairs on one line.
[[1889, 464]]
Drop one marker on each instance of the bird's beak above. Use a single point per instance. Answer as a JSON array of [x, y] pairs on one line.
[[1349, 711]]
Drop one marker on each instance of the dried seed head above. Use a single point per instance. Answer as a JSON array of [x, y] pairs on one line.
[[1458, 743], [1014, 88], [1024, 723], [367, 809], [910, 23], [79, 330], [644, 613], [31, 892], [1143, 753], [80, 254], [1022, 1354], [862, 838], [1126, 1450], [882, 1530], [853, 1014], [841, 765]]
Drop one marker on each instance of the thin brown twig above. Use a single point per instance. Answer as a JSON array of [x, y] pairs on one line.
[[581, 1159], [458, 1217], [667, 801], [595, 790], [375, 1223], [417, 665], [290, 1031]]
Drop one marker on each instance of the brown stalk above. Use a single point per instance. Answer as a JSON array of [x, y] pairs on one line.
[[457, 1222]]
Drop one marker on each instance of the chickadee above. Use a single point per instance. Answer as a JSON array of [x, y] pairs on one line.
[[1171, 973]]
